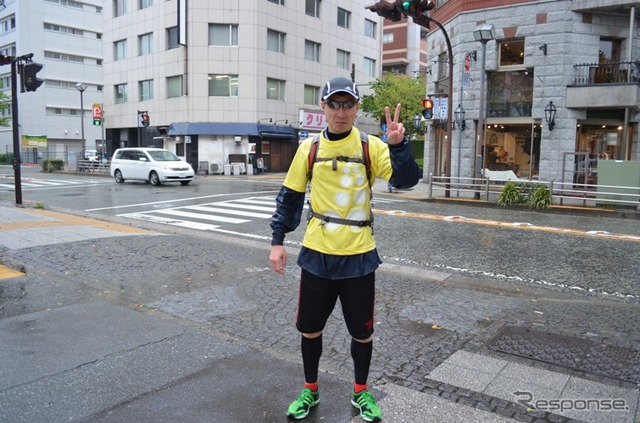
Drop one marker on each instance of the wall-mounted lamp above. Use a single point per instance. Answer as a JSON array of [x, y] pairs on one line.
[[417, 122], [286, 121], [543, 48], [266, 119], [550, 115], [459, 117]]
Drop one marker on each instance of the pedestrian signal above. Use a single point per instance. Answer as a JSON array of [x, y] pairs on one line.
[[427, 108]]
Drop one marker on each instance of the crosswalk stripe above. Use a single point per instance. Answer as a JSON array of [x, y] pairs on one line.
[[263, 201], [175, 222], [244, 206], [201, 216], [42, 183], [208, 208]]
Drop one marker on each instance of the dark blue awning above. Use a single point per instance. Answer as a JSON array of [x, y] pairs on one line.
[[216, 128]]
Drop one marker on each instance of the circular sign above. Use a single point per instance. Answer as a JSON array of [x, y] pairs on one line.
[[467, 63]]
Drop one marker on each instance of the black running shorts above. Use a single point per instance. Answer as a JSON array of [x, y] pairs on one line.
[[318, 296]]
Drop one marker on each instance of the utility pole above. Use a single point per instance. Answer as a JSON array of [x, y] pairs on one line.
[[28, 82]]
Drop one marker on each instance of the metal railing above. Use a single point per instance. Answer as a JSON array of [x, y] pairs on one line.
[[606, 73], [562, 193], [101, 166]]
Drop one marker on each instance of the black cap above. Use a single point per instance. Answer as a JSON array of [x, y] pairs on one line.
[[340, 85]]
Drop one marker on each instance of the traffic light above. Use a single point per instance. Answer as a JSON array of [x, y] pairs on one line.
[[427, 108], [143, 119], [97, 114], [30, 80], [391, 11], [5, 60], [417, 6], [418, 9]]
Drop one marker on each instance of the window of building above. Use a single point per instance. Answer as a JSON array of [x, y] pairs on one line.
[[119, 8], [387, 37], [511, 53], [57, 56], [370, 28], [121, 93], [68, 3], [280, 2], [510, 93], [8, 24], [119, 50], [311, 51], [6, 82], [223, 85], [312, 8], [145, 44], [343, 59], [142, 4], [145, 89], [10, 50], [275, 41], [174, 86], [311, 95], [223, 35], [609, 50], [275, 89], [63, 29], [369, 67], [443, 68], [344, 18], [172, 38]]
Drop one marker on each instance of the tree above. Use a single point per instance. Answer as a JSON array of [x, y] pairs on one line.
[[390, 90], [5, 101]]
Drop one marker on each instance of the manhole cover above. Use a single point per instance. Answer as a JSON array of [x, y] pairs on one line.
[[566, 351]]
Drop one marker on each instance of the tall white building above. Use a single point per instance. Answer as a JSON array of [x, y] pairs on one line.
[[66, 37], [225, 81], [220, 80]]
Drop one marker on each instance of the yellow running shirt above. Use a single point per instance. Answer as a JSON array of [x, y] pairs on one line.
[[344, 192]]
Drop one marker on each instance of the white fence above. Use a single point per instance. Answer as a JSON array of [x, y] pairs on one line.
[[562, 193]]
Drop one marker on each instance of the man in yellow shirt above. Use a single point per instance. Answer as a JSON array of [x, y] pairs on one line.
[[339, 257]]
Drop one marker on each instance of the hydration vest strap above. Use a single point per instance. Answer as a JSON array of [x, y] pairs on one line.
[[338, 220]]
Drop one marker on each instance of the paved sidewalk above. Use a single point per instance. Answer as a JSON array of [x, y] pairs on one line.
[[76, 356]]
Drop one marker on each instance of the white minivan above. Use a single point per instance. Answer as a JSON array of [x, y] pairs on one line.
[[154, 165]]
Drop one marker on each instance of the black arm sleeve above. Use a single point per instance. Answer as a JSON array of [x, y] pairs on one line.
[[289, 205], [406, 172]]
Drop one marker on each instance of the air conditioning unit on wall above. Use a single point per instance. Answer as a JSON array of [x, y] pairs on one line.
[[217, 168]]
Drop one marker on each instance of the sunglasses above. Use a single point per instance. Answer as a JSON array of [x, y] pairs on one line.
[[335, 105]]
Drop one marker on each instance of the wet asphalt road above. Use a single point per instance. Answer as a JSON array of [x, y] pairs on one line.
[[565, 252]]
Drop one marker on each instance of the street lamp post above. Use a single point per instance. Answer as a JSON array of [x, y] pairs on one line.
[[459, 116], [484, 33], [81, 86]]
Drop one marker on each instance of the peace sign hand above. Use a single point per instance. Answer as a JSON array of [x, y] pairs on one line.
[[395, 129]]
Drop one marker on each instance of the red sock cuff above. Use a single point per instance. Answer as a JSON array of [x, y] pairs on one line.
[[312, 386], [359, 388]]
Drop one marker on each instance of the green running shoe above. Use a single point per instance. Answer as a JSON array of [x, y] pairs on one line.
[[369, 410], [301, 406]]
